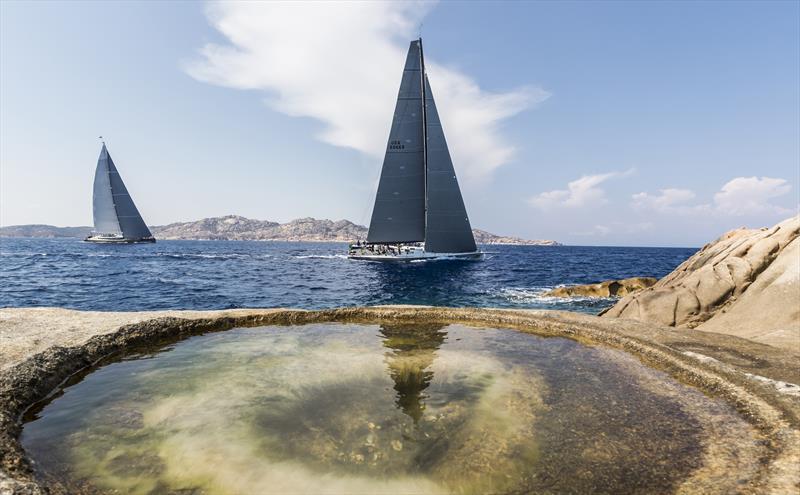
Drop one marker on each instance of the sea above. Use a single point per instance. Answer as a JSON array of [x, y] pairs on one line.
[[70, 273]]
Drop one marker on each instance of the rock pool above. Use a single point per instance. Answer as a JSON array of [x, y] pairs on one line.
[[389, 408]]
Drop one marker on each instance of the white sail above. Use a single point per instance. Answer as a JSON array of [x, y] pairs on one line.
[[105, 213], [114, 210]]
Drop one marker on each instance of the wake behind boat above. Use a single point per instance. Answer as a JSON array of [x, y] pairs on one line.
[[116, 218], [419, 212]]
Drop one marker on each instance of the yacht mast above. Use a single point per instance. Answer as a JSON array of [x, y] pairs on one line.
[[424, 130]]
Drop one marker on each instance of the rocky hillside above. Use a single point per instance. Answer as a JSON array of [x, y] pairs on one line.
[[746, 283], [237, 228], [483, 237], [48, 231]]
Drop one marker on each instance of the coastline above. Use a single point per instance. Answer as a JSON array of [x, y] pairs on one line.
[[546, 243], [41, 347]]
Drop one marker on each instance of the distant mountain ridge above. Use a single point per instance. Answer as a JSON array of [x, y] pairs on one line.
[[238, 228], [41, 230], [483, 237]]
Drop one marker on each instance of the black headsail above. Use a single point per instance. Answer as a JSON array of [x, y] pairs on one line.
[[114, 210], [447, 227], [399, 212]]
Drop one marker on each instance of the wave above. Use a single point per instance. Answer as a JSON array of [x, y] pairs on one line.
[[320, 256], [212, 256], [21, 254], [528, 295]]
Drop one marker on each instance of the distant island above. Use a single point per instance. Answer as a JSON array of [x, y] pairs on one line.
[[238, 228]]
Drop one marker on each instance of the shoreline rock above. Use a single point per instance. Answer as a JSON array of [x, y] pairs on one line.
[[745, 283], [76, 339], [607, 288]]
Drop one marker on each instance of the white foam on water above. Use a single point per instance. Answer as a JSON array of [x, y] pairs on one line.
[[211, 256], [320, 256], [21, 255], [527, 295]]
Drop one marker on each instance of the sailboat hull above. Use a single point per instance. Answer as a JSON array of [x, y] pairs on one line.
[[118, 240], [416, 256]]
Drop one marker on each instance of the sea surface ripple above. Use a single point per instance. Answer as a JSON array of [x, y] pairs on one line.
[[244, 274]]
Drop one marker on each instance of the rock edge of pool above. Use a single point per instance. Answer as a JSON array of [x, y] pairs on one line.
[[42, 347]]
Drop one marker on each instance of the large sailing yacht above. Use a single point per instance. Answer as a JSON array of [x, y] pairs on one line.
[[116, 219], [419, 212]]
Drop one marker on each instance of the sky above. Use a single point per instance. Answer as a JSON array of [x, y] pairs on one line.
[[591, 123]]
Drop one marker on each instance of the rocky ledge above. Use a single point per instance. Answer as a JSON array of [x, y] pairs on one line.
[[608, 288], [746, 283], [41, 347]]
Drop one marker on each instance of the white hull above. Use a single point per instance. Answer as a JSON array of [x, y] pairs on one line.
[[116, 240], [416, 256]]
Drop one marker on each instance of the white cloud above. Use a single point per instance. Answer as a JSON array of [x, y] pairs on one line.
[[341, 62], [616, 227], [580, 192], [738, 197], [597, 230], [747, 195], [666, 200]]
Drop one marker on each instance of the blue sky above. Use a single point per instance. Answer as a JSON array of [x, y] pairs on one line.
[[605, 123]]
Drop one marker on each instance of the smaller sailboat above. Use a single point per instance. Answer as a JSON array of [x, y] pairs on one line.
[[419, 212], [116, 218]]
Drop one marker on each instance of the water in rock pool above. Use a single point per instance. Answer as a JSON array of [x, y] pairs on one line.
[[390, 408], [235, 274]]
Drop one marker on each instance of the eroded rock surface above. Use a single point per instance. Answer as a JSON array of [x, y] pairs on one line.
[[77, 339], [608, 288], [746, 283]]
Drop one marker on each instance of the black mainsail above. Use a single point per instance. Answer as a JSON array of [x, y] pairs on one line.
[[418, 196], [115, 214], [399, 212]]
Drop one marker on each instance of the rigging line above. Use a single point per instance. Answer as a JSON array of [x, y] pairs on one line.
[[424, 129]]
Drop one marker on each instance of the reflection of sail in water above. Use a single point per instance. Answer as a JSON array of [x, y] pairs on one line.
[[413, 349]]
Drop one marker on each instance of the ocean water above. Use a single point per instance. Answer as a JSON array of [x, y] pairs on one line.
[[241, 274]]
